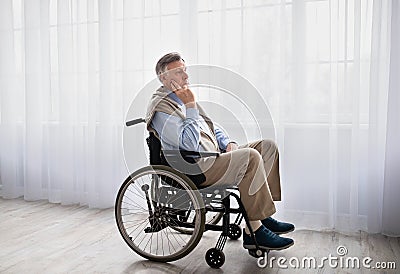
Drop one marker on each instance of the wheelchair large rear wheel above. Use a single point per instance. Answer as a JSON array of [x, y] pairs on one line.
[[150, 204]]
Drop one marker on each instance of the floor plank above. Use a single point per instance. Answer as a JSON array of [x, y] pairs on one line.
[[39, 237]]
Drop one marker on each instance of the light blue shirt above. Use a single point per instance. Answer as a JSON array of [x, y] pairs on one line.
[[186, 132]]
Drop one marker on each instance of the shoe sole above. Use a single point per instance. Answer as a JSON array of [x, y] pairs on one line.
[[268, 248], [284, 232]]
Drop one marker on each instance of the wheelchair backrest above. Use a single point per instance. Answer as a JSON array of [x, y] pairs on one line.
[[156, 157]]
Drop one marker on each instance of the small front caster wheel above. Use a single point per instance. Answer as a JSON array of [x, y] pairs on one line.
[[215, 258], [234, 231]]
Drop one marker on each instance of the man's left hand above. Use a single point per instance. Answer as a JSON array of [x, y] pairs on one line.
[[231, 147]]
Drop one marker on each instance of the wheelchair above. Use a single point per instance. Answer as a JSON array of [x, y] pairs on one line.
[[162, 213]]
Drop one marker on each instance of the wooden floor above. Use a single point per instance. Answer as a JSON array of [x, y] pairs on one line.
[[39, 237]]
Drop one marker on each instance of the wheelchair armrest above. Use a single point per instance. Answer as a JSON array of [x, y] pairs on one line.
[[187, 153]]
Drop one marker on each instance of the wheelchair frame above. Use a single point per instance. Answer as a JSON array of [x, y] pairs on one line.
[[164, 184]]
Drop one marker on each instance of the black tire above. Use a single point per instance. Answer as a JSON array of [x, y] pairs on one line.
[[140, 227], [215, 258]]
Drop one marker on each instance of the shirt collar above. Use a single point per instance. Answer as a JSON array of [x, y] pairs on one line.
[[174, 97]]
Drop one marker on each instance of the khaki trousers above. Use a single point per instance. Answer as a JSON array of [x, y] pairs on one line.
[[254, 168]]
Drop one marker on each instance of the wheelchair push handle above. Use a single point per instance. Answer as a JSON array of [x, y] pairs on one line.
[[134, 122]]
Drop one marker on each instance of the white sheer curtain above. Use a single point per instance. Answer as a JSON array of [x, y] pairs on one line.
[[327, 69], [390, 216], [61, 101]]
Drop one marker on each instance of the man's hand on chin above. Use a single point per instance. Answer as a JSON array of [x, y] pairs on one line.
[[184, 93]]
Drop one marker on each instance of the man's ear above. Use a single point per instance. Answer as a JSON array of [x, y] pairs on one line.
[[163, 77], [164, 80]]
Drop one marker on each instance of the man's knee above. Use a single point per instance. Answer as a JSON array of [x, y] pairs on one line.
[[268, 146], [268, 143], [254, 156]]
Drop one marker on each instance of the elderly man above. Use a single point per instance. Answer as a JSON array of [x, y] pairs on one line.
[[180, 123]]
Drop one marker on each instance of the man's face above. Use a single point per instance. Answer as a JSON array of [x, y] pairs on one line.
[[175, 71]]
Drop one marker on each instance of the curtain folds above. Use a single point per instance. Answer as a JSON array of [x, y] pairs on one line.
[[327, 69]]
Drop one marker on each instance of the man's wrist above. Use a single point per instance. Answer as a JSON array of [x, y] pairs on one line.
[[191, 105], [192, 113]]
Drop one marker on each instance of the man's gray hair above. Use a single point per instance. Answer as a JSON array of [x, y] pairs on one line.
[[165, 60]]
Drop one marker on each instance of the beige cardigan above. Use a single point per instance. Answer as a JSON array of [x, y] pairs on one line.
[[161, 102]]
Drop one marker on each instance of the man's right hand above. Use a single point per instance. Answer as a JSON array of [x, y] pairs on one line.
[[184, 93]]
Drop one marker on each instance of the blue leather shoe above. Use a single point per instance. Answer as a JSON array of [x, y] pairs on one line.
[[276, 226], [266, 239]]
